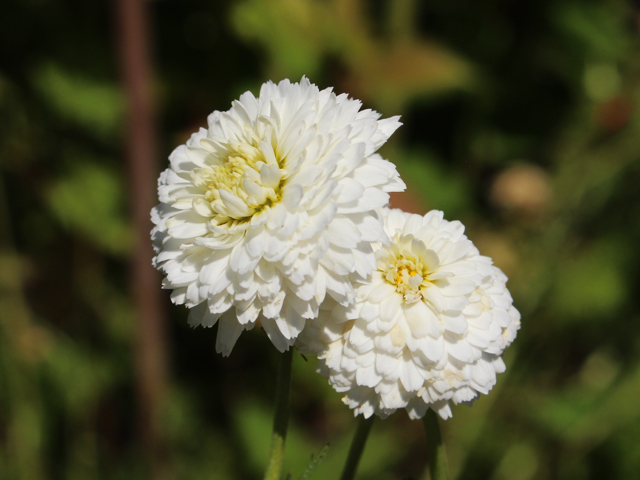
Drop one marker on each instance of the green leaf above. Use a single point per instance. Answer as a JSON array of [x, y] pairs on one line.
[[80, 375], [287, 29], [315, 461], [597, 26], [591, 285], [440, 188], [95, 105], [89, 201]]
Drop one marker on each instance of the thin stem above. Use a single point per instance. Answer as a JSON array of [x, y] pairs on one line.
[[357, 447], [436, 454], [133, 26], [281, 417]]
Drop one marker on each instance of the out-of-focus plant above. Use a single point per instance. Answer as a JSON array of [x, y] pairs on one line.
[[299, 37], [493, 92]]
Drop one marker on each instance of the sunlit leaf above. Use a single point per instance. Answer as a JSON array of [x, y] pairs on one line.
[[439, 187], [590, 286], [89, 201], [94, 105]]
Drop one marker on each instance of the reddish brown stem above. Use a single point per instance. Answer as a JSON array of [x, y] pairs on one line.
[[132, 27]]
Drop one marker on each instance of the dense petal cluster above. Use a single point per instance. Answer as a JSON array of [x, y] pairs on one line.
[[271, 208], [427, 330]]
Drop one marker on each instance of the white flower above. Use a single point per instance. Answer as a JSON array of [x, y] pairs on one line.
[[427, 330], [271, 208]]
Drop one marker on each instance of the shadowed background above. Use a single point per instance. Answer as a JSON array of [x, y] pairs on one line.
[[520, 120]]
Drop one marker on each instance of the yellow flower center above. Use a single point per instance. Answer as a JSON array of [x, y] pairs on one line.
[[408, 265], [238, 184], [408, 275]]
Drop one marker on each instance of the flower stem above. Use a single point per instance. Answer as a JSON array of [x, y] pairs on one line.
[[436, 454], [281, 417], [357, 447]]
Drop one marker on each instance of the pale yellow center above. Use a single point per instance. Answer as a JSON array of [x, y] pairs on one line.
[[250, 181], [408, 275]]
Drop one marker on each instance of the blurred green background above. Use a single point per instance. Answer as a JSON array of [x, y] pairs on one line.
[[520, 119]]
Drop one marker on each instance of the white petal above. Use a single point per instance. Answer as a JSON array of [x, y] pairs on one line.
[[435, 299], [390, 307], [455, 323], [290, 323], [229, 329], [351, 190], [275, 335], [196, 314], [386, 364], [343, 232], [368, 377], [410, 376], [189, 229], [381, 292], [460, 349], [255, 241], [213, 268], [270, 175], [421, 319], [237, 208], [291, 196], [371, 228]]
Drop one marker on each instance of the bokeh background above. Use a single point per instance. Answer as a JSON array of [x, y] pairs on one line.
[[520, 119]]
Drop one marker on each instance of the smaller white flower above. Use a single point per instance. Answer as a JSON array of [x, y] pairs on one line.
[[429, 328]]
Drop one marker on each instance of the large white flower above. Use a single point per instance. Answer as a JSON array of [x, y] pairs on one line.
[[428, 329], [271, 208]]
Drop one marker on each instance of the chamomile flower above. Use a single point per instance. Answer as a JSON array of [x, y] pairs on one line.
[[271, 208], [428, 328]]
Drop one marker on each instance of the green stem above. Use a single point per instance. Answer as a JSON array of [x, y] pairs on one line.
[[357, 447], [436, 454], [281, 417]]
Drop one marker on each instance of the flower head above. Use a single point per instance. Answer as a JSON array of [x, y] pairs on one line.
[[427, 330], [272, 207]]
